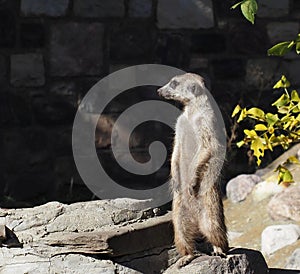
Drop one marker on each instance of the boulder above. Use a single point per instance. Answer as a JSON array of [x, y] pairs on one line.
[[286, 205], [240, 261], [239, 187], [278, 236], [103, 236]]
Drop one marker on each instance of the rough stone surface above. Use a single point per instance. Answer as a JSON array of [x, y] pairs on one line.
[[27, 70], [266, 189], [240, 42], [239, 187], [99, 227], [284, 31], [274, 8], [294, 260], [7, 28], [3, 69], [137, 42], [241, 261], [53, 8], [286, 205], [26, 261], [68, 56], [32, 35], [278, 236], [293, 72], [262, 73], [96, 9], [177, 14], [140, 8]]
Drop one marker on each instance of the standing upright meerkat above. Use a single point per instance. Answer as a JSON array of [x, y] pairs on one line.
[[196, 164]]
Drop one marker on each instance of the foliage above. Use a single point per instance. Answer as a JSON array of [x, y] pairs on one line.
[[248, 8], [282, 48], [281, 128], [272, 129]]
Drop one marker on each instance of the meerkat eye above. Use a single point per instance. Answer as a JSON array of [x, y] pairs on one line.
[[194, 89], [174, 84]]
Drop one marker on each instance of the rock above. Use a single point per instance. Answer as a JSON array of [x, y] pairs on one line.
[[274, 9], [172, 49], [176, 14], [266, 189], [137, 42], [54, 233], [286, 205], [99, 9], [262, 73], [26, 261], [140, 8], [283, 31], [241, 261], [53, 110], [52, 8], [239, 42], [294, 260], [3, 69], [32, 35], [27, 70], [278, 236], [71, 58], [208, 43], [7, 28], [239, 187], [229, 68], [293, 68], [96, 227]]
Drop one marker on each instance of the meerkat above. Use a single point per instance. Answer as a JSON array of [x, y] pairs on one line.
[[196, 164]]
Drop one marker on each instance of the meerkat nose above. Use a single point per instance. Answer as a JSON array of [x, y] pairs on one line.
[[159, 91]]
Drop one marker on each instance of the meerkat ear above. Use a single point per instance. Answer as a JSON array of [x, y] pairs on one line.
[[195, 89]]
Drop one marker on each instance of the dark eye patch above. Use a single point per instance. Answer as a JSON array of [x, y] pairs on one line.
[[194, 88], [174, 84]]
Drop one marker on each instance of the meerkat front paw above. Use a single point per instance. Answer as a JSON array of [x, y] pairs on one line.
[[217, 251]]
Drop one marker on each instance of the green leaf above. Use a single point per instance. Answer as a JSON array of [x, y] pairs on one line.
[[283, 110], [298, 47], [249, 9], [243, 115], [258, 149], [260, 127], [288, 177], [280, 49], [271, 119], [256, 112], [293, 160], [282, 83], [295, 96], [236, 110], [236, 5], [250, 133], [240, 143], [282, 101]]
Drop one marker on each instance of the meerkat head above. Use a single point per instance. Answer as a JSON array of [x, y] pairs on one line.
[[183, 88]]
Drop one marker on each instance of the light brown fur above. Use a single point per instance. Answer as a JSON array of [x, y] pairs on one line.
[[195, 170]]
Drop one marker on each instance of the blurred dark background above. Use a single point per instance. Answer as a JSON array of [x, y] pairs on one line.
[[53, 52]]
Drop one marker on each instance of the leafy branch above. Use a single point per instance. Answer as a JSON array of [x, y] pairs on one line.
[[273, 129]]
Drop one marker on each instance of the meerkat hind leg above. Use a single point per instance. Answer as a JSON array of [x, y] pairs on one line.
[[185, 260]]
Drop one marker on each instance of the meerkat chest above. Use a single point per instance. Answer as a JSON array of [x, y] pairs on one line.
[[189, 146]]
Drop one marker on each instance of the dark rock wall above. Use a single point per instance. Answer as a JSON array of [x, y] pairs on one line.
[[53, 51]]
